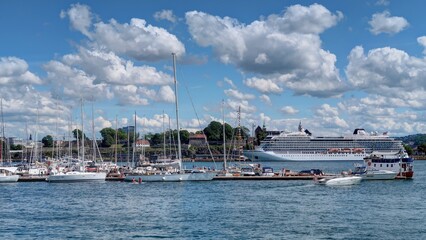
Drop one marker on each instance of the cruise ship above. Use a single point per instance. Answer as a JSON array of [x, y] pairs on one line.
[[302, 146]]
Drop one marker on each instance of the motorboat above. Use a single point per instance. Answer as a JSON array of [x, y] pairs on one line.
[[7, 174], [76, 176], [340, 180], [374, 174]]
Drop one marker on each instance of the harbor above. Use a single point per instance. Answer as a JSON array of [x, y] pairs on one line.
[[295, 209]]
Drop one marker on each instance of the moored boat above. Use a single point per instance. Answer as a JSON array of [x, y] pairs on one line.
[[76, 176], [374, 174], [7, 174], [399, 163]]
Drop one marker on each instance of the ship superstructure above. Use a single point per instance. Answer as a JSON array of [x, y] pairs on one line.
[[302, 146]]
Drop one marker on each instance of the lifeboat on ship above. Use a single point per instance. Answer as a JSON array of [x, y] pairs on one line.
[[333, 150], [358, 150]]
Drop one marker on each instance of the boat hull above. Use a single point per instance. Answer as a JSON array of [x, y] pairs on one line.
[[341, 181], [77, 177], [8, 179], [260, 155], [379, 175], [175, 177]]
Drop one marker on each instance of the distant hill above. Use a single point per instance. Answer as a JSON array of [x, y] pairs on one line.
[[413, 140]]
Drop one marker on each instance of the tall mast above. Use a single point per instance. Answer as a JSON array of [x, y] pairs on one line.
[[116, 138], [82, 133], [177, 111], [170, 139], [164, 139], [224, 137], [93, 136], [128, 145], [134, 143], [239, 138], [2, 131], [69, 136]]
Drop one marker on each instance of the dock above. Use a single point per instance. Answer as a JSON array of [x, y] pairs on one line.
[[43, 178], [275, 177]]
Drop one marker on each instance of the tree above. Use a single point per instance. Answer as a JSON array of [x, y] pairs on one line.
[[108, 137], [408, 149], [156, 139], [78, 132], [228, 132], [47, 141], [213, 131], [422, 148], [184, 136], [260, 135]]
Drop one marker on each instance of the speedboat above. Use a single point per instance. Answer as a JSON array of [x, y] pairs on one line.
[[340, 181], [378, 175], [368, 173]]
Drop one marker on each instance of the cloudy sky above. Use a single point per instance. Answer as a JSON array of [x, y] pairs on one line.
[[334, 66]]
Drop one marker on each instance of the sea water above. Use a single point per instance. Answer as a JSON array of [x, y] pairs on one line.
[[393, 209]]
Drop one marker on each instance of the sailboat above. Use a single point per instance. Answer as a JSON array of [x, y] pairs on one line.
[[174, 174], [7, 174], [81, 175]]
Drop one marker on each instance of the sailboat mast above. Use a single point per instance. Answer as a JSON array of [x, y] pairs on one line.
[[164, 139], [116, 138], [224, 136], [177, 111], [93, 136], [134, 143], [82, 133], [2, 131]]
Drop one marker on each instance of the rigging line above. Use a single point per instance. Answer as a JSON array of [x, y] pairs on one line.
[[199, 124]]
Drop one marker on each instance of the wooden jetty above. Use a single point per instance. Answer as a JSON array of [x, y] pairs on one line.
[[275, 177]]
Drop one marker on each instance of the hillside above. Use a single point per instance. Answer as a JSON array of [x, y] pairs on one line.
[[413, 140]]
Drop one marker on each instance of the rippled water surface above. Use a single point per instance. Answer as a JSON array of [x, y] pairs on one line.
[[217, 209]]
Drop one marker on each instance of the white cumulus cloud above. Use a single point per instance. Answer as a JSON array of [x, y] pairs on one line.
[[385, 23], [165, 15], [289, 110], [14, 71], [135, 39], [263, 85], [275, 48], [389, 72]]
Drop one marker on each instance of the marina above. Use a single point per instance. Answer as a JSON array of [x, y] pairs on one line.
[[183, 210]]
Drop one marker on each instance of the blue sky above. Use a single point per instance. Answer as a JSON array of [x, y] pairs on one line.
[[334, 65]]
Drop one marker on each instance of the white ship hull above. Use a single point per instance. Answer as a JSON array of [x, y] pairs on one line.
[[379, 175], [77, 177], [11, 178], [175, 177], [259, 155]]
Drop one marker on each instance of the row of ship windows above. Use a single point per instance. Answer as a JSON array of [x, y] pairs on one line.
[[387, 165], [316, 155], [334, 146]]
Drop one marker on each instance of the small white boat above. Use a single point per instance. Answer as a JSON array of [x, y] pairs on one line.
[[340, 181], [378, 175], [76, 176], [7, 174]]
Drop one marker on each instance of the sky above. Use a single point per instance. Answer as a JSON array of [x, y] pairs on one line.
[[332, 65]]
